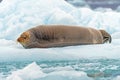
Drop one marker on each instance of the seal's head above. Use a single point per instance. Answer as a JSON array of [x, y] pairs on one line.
[[24, 38]]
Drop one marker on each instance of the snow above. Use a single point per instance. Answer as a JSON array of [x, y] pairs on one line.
[[15, 19], [18, 53], [34, 72]]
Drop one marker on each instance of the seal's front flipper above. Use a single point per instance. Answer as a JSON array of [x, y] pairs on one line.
[[106, 36]]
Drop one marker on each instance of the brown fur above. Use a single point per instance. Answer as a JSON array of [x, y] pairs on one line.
[[45, 36], [106, 36]]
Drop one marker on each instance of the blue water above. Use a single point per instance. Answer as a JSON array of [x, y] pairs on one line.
[[99, 69]]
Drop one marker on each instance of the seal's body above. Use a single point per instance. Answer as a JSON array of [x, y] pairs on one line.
[[45, 36]]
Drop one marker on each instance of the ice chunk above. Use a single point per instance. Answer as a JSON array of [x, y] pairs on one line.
[[67, 75], [117, 78], [15, 19], [34, 72]]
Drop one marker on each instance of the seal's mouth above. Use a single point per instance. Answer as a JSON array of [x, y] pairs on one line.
[[20, 40]]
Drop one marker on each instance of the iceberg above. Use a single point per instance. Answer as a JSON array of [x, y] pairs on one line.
[[15, 19]]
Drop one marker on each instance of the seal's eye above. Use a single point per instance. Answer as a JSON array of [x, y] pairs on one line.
[[24, 37]]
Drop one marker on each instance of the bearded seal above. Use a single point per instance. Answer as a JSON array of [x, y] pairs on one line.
[[46, 36]]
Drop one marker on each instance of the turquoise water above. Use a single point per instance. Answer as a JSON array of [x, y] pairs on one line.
[[98, 69]]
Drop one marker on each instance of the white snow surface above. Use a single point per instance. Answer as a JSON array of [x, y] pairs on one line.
[[20, 15]]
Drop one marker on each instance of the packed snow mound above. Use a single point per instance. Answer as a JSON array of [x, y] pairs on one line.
[[34, 72], [17, 18], [15, 52]]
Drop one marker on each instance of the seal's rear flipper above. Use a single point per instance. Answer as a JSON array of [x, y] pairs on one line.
[[106, 36]]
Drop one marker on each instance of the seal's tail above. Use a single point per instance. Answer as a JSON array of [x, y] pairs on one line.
[[106, 36]]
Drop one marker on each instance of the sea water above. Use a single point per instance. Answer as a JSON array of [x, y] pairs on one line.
[[93, 69]]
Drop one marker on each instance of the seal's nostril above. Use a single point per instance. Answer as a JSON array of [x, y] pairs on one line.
[[18, 39]]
